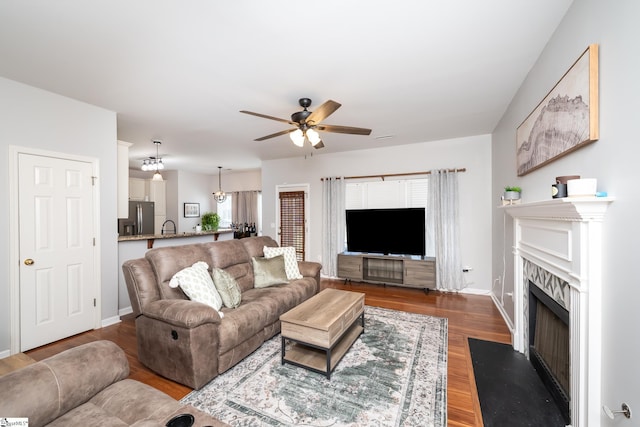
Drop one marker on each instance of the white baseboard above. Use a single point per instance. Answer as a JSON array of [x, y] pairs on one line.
[[125, 311], [475, 291], [116, 319], [110, 321], [5, 353], [503, 313]]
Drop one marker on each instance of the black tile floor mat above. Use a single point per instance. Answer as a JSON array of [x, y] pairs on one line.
[[510, 391]]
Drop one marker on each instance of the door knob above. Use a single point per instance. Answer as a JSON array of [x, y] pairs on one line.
[[28, 261]]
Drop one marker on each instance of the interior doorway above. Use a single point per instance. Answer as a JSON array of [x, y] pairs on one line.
[[55, 284]]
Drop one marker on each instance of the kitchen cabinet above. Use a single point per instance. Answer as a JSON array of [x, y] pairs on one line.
[[157, 194], [137, 189], [123, 179]]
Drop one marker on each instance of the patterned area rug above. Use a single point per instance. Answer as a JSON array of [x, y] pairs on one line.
[[394, 375]]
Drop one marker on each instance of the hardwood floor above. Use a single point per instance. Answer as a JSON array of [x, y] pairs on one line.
[[469, 316]]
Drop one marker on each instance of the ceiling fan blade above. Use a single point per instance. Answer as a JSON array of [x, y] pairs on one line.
[[323, 111], [273, 135], [264, 116], [319, 145], [344, 129]]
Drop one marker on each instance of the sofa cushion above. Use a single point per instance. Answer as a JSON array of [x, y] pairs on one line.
[[87, 415], [268, 271], [134, 401], [167, 261], [196, 282], [245, 321], [232, 257], [227, 288], [255, 245], [290, 260]]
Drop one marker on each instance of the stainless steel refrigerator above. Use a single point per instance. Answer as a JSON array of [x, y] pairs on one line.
[[141, 215]]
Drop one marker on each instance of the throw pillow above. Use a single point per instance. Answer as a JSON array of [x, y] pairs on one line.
[[290, 260], [268, 271], [227, 287], [196, 283]]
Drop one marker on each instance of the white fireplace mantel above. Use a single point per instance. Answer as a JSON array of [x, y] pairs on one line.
[[563, 209], [564, 237]]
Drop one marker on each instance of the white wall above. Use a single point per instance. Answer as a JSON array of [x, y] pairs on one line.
[[192, 188], [244, 180], [33, 118], [613, 160], [472, 153]]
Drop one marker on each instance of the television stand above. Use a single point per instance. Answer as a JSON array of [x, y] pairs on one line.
[[407, 271]]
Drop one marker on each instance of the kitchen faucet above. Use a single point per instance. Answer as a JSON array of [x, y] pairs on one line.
[[174, 226]]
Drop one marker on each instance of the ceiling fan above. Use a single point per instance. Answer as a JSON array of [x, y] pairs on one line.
[[308, 123]]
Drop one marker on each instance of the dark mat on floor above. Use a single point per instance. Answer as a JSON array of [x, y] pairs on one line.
[[510, 391]]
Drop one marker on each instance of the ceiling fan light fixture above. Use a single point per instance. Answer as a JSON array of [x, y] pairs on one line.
[[313, 136], [297, 137], [305, 120]]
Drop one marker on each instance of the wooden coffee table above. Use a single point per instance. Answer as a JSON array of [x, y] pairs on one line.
[[322, 329]]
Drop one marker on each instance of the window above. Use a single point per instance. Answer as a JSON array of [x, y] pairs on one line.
[[410, 193], [224, 210]]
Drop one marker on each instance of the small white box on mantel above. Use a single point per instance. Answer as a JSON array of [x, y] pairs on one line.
[[582, 187]]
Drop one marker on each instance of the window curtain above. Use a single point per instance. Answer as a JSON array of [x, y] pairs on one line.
[[443, 230], [333, 224], [244, 207]]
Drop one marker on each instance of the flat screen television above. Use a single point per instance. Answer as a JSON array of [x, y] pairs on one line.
[[399, 231]]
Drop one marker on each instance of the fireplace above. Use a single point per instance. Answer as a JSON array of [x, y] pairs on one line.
[[557, 262], [549, 346]]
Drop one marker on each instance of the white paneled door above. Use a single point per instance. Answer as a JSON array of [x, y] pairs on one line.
[[57, 249]]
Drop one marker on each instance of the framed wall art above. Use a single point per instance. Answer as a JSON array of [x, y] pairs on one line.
[[565, 120], [191, 210]]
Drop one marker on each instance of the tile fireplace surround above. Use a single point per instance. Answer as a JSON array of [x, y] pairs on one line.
[[562, 238]]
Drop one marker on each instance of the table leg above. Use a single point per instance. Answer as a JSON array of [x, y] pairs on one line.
[[328, 364]]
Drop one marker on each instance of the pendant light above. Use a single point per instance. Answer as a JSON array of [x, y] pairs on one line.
[[220, 196], [157, 176]]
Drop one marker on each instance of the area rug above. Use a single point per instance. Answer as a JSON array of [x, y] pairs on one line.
[[394, 375]]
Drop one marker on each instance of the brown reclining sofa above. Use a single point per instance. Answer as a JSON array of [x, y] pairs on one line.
[[189, 342]]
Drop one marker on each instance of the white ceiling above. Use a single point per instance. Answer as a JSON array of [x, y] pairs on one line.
[[180, 71]]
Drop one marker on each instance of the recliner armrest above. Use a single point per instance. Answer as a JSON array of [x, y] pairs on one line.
[[309, 268], [183, 313]]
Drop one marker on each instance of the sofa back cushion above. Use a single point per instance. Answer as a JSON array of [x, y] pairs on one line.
[[232, 257], [141, 283], [255, 245], [167, 261]]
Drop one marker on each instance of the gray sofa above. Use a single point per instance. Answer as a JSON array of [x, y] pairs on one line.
[[189, 342], [88, 386]]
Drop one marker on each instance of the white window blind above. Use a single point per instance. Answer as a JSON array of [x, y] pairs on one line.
[[410, 193]]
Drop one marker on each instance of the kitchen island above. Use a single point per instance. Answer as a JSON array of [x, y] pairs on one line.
[[132, 247]]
